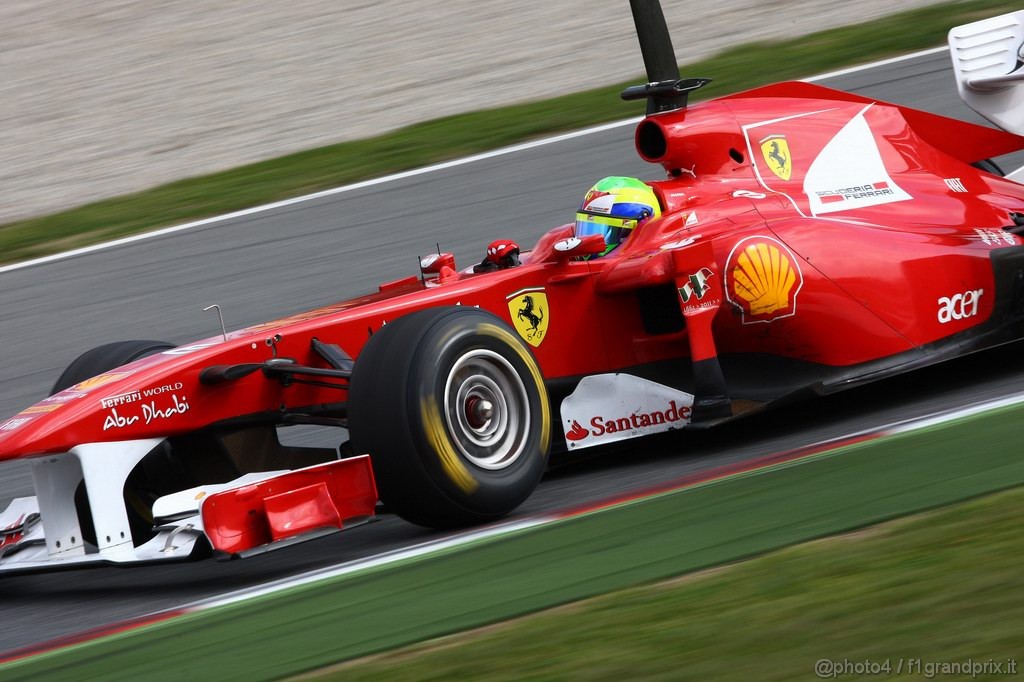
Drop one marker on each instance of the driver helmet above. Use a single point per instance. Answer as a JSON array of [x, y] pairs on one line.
[[614, 207]]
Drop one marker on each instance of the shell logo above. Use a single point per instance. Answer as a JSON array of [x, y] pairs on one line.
[[763, 278]]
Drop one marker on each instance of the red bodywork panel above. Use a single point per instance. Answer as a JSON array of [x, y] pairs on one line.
[[837, 231], [290, 504]]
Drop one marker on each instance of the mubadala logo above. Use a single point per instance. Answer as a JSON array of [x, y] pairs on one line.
[[959, 306], [697, 285]]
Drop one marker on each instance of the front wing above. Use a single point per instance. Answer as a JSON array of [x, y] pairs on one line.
[[252, 514]]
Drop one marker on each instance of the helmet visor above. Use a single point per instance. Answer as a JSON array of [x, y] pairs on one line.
[[614, 230]]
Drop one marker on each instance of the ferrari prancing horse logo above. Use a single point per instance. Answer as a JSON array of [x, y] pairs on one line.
[[776, 154], [530, 315]]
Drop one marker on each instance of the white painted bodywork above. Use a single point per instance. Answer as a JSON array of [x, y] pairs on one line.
[[606, 408], [849, 159], [57, 539]]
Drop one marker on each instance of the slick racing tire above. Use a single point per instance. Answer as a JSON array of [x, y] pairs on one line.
[[452, 409], [105, 358]]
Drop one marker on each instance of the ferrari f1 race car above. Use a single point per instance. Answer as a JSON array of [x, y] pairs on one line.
[[802, 241]]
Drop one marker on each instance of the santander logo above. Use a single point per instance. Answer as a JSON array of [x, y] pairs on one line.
[[599, 425], [577, 432], [638, 420], [606, 408]]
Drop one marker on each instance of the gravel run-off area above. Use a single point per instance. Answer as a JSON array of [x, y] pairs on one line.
[[109, 97]]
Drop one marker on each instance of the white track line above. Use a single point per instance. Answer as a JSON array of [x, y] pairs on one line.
[[957, 413], [318, 195], [875, 65], [399, 176], [376, 561]]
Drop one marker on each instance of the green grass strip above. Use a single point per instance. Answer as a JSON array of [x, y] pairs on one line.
[[906, 596], [736, 69], [312, 626]]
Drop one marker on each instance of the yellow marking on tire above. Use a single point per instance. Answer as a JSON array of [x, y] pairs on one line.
[[438, 439], [493, 330]]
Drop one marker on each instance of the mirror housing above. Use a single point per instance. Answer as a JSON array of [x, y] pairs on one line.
[[436, 262], [575, 247]]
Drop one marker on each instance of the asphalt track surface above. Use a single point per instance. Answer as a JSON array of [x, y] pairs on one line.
[[312, 253]]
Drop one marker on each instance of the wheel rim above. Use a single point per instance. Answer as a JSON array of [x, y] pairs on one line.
[[487, 409]]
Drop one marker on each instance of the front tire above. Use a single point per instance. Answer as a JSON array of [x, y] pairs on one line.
[[105, 358], [451, 406]]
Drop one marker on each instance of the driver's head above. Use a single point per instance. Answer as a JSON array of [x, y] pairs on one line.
[[614, 207]]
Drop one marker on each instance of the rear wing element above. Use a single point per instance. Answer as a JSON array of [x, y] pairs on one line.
[[989, 68]]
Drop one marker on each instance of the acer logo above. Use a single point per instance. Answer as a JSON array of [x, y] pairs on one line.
[[959, 306]]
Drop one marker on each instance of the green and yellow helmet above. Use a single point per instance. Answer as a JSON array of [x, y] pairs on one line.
[[614, 207]]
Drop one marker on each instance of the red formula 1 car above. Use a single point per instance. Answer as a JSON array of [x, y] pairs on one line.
[[804, 241]]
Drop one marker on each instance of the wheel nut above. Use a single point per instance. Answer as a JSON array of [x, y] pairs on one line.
[[479, 411]]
